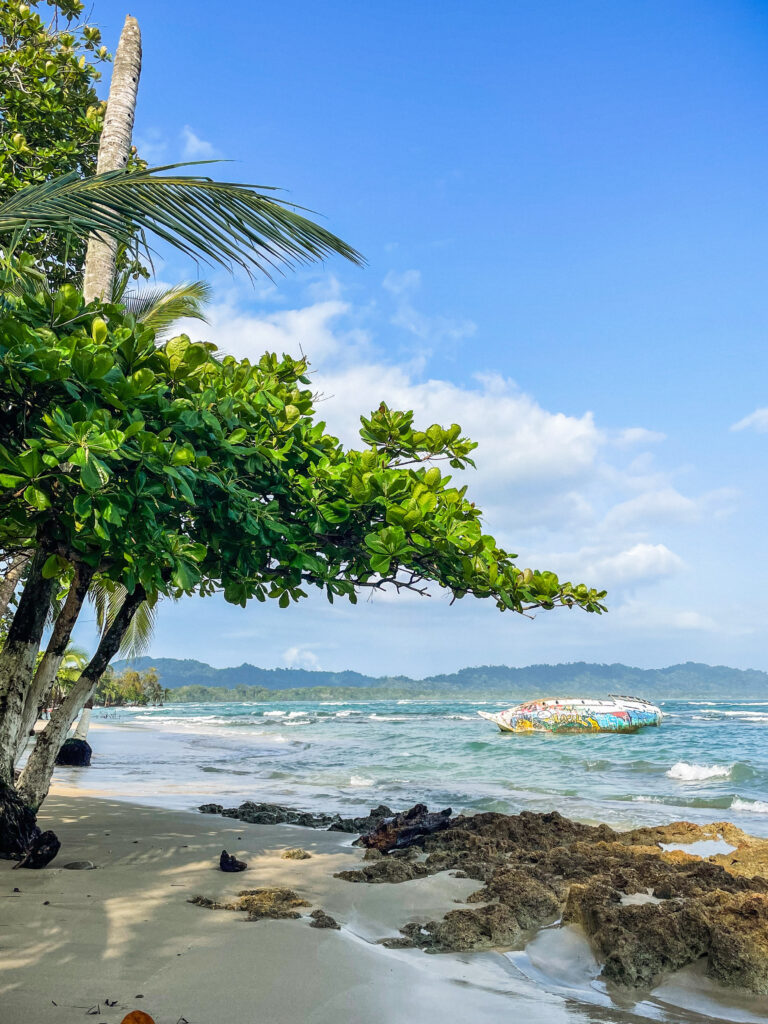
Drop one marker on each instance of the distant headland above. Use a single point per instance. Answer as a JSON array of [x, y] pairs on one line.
[[196, 681]]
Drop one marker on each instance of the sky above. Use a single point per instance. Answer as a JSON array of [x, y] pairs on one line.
[[564, 213]]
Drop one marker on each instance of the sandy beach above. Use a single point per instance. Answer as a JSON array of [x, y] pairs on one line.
[[72, 939]]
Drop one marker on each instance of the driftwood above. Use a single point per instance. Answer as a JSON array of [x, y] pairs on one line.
[[409, 828]]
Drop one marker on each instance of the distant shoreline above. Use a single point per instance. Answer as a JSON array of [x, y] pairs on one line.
[[197, 681]]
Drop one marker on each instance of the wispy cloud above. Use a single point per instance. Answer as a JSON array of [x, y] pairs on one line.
[[196, 148], [402, 286], [757, 421]]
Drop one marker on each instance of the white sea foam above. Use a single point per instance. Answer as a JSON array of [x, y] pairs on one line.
[[751, 806], [698, 772], [274, 714], [647, 800], [745, 716], [360, 780]]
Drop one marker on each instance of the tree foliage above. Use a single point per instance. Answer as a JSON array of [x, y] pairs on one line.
[[50, 114], [179, 471]]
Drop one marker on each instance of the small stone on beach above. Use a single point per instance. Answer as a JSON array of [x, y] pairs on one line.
[[228, 862], [322, 920]]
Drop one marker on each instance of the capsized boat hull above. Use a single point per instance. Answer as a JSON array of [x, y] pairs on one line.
[[577, 714]]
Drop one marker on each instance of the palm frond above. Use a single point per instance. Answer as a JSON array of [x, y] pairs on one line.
[[160, 308], [217, 222], [107, 598]]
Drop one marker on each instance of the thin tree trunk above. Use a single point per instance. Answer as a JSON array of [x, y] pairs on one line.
[[114, 150], [54, 653], [16, 566], [17, 660], [35, 780]]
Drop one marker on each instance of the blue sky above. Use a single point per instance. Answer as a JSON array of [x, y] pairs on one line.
[[565, 216]]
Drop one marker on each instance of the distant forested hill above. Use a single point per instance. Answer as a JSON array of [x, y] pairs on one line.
[[197, 681]]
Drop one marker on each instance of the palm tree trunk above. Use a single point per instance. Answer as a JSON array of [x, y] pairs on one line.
[[54, 652], [35, 780], [17, 660], [16, 566], [114, 150]]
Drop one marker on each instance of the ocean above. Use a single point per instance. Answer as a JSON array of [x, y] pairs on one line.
[[707, 762]]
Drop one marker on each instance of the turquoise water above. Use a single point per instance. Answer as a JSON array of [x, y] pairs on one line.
[[707, 762]]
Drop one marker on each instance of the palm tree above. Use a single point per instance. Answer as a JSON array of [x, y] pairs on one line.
[[217, 222]]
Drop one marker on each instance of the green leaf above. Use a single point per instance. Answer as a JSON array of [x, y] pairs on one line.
[[37, 498], [54, 566], [99, 331], [10, 480]]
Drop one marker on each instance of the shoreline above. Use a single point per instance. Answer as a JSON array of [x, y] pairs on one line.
[[73, 939]]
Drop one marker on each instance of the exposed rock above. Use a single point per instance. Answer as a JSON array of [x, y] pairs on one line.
[[738, 951], [296, 853], [406, 829], [79, 865], [387, 869], [275, 814], [228, 862], [538, 867], [322, 920], [75, 753], [41, 852], [364, 824], [18, 829], [276, 902]]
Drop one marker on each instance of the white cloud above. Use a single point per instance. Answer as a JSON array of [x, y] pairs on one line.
[[196, 148], [638, 435], [757, 421], [640, 563], [301, 657], [427, 328]]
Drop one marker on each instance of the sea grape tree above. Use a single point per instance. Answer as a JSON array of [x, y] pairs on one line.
[[171, 470]]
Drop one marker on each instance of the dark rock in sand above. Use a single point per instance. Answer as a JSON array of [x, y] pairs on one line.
[[406, 829], [275, 814], [322, 920], [75, 754], [41, 851], [365, 824], [18, 828], [228, 862]]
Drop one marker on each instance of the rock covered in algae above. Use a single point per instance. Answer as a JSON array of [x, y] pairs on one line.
[[269, 901], [322, 920], [645, 910], [295, 853]]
